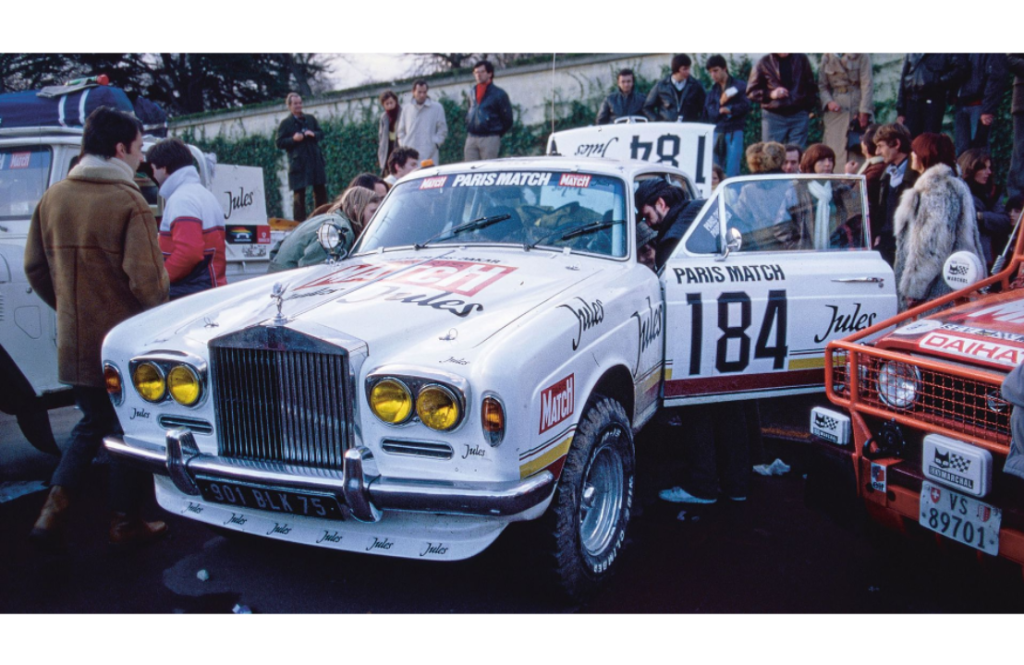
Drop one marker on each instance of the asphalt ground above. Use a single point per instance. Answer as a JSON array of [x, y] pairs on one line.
[[770, 554]]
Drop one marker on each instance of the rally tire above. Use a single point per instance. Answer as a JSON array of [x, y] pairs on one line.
[[585, 526]]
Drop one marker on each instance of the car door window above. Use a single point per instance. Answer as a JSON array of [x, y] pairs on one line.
[[24, 176], [794, 214]]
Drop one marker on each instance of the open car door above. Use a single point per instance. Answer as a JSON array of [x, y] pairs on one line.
[[771, 270]]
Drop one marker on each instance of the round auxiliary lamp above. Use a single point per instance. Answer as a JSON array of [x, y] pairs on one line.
[[962, 269]]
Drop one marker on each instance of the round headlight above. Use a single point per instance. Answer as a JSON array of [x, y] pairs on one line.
[[149, 381], [184, 385], [438, 408], [898, 384], [391, 401]]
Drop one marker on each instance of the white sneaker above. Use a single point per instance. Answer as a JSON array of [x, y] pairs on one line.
[[679, 495]]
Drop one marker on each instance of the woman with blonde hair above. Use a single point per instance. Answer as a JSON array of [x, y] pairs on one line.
[[350, 212]]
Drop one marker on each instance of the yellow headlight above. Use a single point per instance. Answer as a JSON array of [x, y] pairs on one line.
[[183, 384], [391, 401], [149, 382], [437, 408]]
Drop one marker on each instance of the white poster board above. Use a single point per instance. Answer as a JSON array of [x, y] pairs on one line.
[[685, 145]]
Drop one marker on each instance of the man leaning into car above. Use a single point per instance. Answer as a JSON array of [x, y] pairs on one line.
[[92, 255]]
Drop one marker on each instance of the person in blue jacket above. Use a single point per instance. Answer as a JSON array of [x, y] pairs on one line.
[[727, 106]]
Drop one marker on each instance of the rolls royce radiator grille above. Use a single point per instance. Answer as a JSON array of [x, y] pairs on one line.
[[284, 403]]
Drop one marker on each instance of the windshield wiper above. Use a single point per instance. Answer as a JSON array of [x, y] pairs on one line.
[[481, 223], [584, 229]]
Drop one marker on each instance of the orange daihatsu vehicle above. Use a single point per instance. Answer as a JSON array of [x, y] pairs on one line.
[[922, 431]]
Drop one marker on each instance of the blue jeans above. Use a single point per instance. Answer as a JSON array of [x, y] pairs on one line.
[[729, 151], [128, 486], [785, 128], [968, 130]]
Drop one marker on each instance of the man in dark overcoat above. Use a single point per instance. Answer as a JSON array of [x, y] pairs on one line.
[[300, 135]]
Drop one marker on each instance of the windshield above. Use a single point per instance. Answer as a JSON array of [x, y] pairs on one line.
[[546, 208], [786, 214], [24, 174]]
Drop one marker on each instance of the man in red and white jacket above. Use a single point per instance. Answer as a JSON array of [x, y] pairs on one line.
[[192, 227]]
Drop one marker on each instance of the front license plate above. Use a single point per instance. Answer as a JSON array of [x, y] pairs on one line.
[[271, 499], [961, 518]]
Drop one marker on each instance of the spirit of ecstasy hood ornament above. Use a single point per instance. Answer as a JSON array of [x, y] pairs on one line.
[[278, 293]]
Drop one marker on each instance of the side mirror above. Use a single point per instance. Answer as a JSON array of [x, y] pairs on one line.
[[333, 239], [733, 243]]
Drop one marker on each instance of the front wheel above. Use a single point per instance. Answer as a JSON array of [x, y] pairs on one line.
[[586, 523]]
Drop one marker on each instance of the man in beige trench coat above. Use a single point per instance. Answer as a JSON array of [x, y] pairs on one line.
[[844, 85]]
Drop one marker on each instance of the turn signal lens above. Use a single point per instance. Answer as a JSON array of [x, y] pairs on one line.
[[437, 408], [184, 385], [149, 382], [391, 401], [492, 418], [112, 378]]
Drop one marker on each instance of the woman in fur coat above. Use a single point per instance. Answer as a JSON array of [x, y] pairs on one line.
[[933, 220]]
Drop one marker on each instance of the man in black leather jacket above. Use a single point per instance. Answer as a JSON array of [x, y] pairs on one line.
[[925, 84], [624, 103], [489, 117], [678, 96]]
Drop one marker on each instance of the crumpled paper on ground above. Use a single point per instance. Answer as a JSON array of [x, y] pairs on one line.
[[776, 468]]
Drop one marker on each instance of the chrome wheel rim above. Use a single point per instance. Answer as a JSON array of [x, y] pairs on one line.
[[601, 500]]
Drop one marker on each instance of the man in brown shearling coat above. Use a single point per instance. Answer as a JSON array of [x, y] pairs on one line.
[[92, 255]]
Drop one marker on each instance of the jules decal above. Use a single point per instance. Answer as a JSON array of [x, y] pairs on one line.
[[454, 361], [139, 413], [237, 519], [379, 544], [194, 508], [846, 322], [432, 548], [330, 537], [473, 451], [242, 199], [648, 328], [439, 301], [280, 528], [557, 402], [588, 315], [594, 149]]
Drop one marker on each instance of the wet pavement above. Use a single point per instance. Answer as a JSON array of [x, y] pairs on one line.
[[770, 554]]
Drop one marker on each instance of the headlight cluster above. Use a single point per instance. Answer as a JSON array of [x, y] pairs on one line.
[[393, 399], [898, 384], [156, 380]]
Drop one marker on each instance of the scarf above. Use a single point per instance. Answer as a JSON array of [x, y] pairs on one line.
[[822, 192], [896, 173], [481, 90], [393, 116]]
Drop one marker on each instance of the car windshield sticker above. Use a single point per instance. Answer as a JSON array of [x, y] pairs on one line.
[[532, 179], [972, 348], [712, 224], [574, 180], [21, 160], [433, 183]]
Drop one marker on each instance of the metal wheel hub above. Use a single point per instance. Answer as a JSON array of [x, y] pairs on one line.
[[601, 500]]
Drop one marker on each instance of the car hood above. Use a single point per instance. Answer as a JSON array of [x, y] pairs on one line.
[[388, 300], [987, 332]]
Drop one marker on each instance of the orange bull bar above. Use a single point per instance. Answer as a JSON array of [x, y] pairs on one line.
[[952, 399]]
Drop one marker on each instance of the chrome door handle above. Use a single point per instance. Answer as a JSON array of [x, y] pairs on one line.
[[863, 280]]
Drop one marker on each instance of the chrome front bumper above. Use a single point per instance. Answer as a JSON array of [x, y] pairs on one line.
[[366, 496]]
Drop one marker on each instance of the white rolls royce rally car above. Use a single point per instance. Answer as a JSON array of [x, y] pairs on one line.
[[484, 355]]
